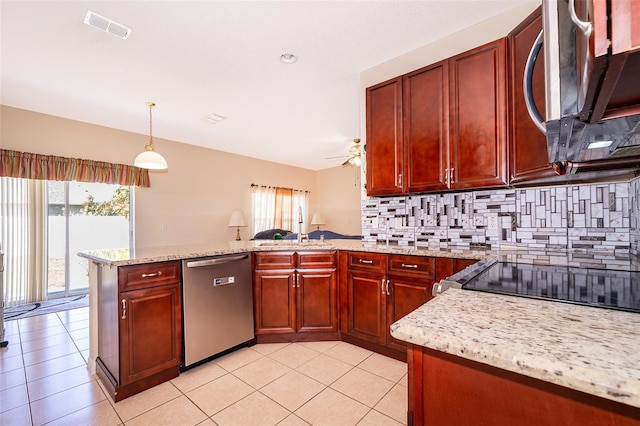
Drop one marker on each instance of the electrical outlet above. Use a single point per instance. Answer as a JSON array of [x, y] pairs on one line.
[[163, 227], [493, 222]]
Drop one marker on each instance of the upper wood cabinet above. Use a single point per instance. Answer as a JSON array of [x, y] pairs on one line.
[[426, 128], [528, 145], [478, 117], [441, 127], [384, 138]]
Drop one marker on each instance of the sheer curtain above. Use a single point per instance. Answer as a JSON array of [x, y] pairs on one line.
[[275, 207], [23, 221]]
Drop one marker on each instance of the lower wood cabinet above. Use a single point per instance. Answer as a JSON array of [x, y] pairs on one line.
[[295, 295], [445, 389], [140, 326], [376, 290]]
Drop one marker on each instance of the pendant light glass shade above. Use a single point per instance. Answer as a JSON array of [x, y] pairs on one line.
[[149, 159]]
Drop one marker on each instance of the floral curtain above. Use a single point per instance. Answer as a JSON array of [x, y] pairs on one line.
[[50, 167]]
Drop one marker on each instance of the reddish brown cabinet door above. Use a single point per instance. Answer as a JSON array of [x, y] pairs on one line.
[[445, 266], [405, 295], [274, 301], [426, 128], [367, 306], [150, 332], [529, 157], [478, 117], [317, 307], [384, 138]]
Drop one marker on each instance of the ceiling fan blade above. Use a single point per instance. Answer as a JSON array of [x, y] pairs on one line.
[[333, 158], [346, 163]]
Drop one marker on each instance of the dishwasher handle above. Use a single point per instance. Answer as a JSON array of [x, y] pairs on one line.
[[215, 261]]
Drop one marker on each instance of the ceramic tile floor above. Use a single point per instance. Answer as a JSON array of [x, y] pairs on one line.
[[44, 380]]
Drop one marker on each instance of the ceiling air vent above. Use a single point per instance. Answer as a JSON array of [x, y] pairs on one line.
[[107, 25]]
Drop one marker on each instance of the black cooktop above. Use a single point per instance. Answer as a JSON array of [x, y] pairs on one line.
[[602, 288]]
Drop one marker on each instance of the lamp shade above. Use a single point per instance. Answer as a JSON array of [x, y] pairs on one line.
[[237, 219], [150, 160], [317, 220]]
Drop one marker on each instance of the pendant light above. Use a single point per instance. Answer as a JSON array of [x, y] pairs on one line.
[[149, 159]]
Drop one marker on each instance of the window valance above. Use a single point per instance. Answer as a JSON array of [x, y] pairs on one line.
[[51, 167]]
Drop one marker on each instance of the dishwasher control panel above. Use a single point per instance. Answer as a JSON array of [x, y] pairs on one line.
[[223, 281]]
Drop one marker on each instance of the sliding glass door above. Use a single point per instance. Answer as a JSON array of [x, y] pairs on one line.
[[81, 217]]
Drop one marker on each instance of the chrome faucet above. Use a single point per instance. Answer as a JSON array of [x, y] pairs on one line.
[[301, 236]]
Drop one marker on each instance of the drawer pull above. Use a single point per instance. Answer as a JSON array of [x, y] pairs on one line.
[[124, 309], [156, 274], [407, 265], [382, 286], [387, 287], [367, 261]]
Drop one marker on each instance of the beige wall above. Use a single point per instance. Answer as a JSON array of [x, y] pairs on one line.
[[192, 202], [337, 198]]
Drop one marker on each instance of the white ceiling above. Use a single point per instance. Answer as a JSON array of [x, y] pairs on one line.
[[222, 57]]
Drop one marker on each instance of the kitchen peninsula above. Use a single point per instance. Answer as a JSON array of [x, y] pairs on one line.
[[589, 351]]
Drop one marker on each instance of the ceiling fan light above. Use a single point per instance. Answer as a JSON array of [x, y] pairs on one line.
[[150, 160], [356, 161]]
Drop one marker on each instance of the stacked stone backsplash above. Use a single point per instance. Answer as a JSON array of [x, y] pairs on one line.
[[603, 216]]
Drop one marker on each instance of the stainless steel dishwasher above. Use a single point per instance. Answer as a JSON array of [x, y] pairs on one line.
[[217, 299]]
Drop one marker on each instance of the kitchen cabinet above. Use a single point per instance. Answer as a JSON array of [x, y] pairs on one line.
[[441, 127], [445, 389], [478, 117], [608, 59], [378, 289], [529, 159], [384, 150], [295, 295], [449, 266], [409, 283], [366, 315], [140, 332]]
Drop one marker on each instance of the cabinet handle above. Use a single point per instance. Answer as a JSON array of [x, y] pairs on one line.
[[407, 265], [446, 177], [451, 179], [584, 26], [124, 309], [400, 180], [367, 261], [295, 280], [382, 286], [388, 294], [157, 274]]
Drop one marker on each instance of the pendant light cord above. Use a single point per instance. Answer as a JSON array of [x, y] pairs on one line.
[[149, 147]]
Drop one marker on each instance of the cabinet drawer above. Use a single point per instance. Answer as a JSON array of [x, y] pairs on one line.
[[148, 275], [424, 267], [367, 261], [316, 259], [275, 260]]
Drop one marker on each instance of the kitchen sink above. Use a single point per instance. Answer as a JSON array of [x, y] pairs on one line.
[[289, 243]]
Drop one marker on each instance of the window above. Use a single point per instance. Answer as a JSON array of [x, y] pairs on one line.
[[282, 208], [44, 224]]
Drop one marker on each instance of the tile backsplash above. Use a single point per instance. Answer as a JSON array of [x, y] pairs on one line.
[[603, 216]]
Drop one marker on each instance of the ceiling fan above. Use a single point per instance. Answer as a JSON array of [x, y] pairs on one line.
[[353, 159]]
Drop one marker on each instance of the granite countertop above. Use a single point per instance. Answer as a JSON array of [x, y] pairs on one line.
[[123, 257], [593, 350]]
